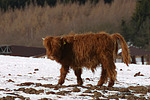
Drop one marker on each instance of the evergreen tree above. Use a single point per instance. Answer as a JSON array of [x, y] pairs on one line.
[[108, 1], [139, 26], [125, 30], [142, 13]]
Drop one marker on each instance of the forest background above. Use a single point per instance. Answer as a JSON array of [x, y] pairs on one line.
[[25, 22]]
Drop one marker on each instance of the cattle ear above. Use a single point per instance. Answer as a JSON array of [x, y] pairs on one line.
[[47, 43], [63, 42]]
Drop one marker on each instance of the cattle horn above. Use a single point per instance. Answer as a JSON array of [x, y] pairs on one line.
[[43, 38]]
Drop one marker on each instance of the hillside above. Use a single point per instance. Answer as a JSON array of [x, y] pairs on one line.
[[27, 26]]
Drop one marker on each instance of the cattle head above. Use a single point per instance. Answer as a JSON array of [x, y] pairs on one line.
[[53, 46]]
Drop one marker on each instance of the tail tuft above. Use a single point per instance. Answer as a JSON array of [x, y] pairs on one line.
[[125, 50]]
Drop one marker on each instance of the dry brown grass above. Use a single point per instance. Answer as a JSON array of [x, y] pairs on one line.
[[26, 27]]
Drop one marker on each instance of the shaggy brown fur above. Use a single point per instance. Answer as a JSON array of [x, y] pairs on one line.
[[87, 50]]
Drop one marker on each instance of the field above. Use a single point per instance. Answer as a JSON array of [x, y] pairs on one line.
[[36, 78]]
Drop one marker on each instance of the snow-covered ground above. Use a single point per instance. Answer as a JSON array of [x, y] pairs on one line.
[[17, 70]]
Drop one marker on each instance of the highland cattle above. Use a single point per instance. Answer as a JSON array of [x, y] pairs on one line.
[[88, 50]]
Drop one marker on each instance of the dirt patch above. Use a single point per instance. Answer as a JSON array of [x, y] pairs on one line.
[[95, 92], [139, 89], [30, 90], [14, 97], [138, 74], [76, 89]]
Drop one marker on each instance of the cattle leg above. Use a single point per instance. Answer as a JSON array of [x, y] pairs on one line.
[[108, 69], [63, 73], [112, 74], [78, 72], [103, 77]]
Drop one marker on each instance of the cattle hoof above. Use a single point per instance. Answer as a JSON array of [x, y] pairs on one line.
[[57, 87], [80, 83], [99, 85], [110, 84], [60, 82]]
